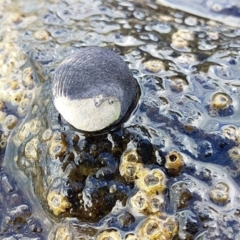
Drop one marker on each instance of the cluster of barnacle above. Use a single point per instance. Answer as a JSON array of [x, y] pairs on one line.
[[181, 39], [148, 200], [17, 85], [233, 134], [55, 146], [151, 228], [220, 193]]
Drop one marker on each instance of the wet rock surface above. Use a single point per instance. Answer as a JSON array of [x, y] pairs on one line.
[[171, 170]]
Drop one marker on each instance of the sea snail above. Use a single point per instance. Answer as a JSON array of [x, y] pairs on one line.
[[93, 89]]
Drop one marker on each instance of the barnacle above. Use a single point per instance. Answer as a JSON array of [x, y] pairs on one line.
[[47, 134], [31, 151], [220, 101], [177, 84], [229, 132], [234, 154], [139, 201], [154, 66], [154, 228], [10, 122], [174, 162], [31, 127], [27, 77], [63, 233], [147, 203], [185, 34], [41, 35], [220, 193], [130, 170], [58, 145], [179, 43], [131, 156], [57, 202], [131, 236], [151, 181], [181, 38], [109, 234], [156, 202]]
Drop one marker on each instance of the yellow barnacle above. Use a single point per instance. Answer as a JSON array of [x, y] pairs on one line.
[[154, 66], [63, 233], [174, 162], [151, 229], [151, 181], [58, 145], [16, 97], [131, 156], [183, 34], [170, 228], [41, 35], [131, 236], [179, 43], [23, 107], [10, 122], [154, 228], [139, 201], [129, 170], [220, 101], [27, 78], [109, 235], [57, 203], [31, 127], [155, 203], [14, 85], [31, 151], [220, 193]]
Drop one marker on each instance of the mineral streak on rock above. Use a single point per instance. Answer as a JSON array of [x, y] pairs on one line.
[[93, 89]]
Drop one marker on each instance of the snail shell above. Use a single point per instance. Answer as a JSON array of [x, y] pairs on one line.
[[94, 89]]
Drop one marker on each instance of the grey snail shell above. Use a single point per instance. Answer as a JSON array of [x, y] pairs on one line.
[[93, 89]]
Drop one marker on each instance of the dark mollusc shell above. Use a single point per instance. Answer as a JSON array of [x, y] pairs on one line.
[[94, 89]]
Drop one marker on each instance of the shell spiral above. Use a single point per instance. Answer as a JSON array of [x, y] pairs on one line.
[[94, 89]]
